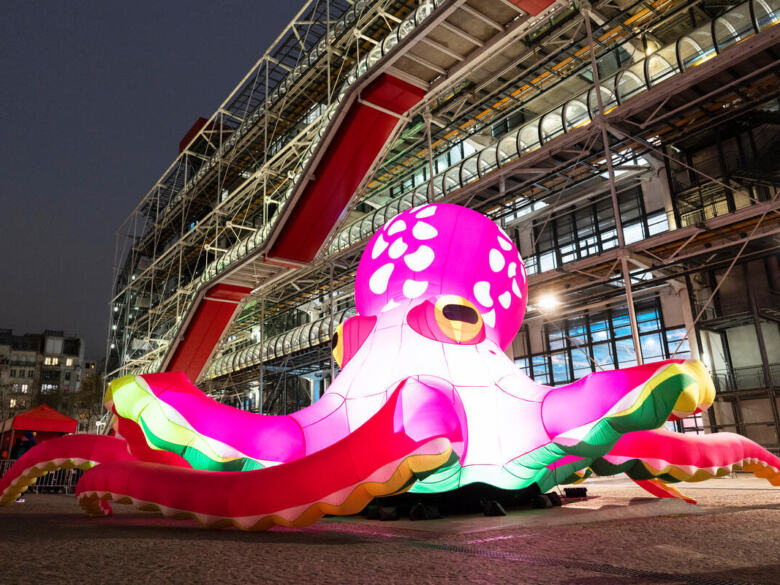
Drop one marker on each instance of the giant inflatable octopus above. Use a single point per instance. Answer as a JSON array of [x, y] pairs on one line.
[[426, 400]]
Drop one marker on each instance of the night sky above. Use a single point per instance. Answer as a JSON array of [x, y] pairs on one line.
[[94, 98]]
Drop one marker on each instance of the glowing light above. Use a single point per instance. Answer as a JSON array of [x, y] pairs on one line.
[[547, 303]]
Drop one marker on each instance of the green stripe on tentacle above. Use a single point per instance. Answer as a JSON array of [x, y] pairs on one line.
[[198, 459], [166, 429]]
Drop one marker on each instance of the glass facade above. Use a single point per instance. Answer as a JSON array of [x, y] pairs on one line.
[[590, 230], [602, 341]]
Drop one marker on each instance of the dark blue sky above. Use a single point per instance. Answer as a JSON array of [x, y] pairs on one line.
[[94, 98]]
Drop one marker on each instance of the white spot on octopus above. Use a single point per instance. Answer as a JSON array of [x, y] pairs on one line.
[[490, 318], [379, 246], [504, 243], [424, 231], [397, 248], [378, 281], [496, 260], [505, 298], [421, 259], [516, 290], [482, 293], [414, 288], [425, 211], [398, 225]]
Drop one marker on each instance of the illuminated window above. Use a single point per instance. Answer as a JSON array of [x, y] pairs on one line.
[[69, 362], [12, 403], [602, 341], [25, 388]]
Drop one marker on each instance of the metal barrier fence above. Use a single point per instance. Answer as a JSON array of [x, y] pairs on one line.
[[60, 481]]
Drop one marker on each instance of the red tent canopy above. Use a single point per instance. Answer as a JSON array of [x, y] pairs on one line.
[[42, 418]]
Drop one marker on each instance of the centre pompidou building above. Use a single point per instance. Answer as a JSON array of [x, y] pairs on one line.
[[628, 147]]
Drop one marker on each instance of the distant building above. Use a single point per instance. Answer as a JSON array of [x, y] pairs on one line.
[[35, 365]]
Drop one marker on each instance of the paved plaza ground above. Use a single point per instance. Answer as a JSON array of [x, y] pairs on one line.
[[617, 536]]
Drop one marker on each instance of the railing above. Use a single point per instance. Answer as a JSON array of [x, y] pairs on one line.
[[745, 378], [689, 51], [60, 481]]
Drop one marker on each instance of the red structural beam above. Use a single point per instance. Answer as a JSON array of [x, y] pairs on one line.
[[358, 141], [532, 7], [208, 323], [365, 129]]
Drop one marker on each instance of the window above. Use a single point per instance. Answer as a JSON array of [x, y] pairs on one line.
[[603, 341], [13, 373], [586, 231], [51, 361], [30, 373], [12, 403], [25, 388], [539, 369], [69, 362]]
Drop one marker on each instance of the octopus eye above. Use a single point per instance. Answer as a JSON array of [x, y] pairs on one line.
[[349, 337], [460, 313], [458, 319], [337, 344], [451, 319]]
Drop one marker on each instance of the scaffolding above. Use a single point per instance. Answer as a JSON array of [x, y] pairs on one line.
[[537, 121]]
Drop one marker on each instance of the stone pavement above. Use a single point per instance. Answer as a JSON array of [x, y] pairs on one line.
[[617, 536]]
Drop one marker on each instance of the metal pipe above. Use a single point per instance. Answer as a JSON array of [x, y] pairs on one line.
[[613, 192]]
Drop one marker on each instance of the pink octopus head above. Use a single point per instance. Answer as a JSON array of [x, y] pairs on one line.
[[445, 249]]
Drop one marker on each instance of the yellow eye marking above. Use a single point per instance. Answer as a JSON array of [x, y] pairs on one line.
[[457, 318]]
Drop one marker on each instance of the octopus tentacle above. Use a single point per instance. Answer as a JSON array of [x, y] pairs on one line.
[[168, 419], [68, 452], [638, 398], [663, 456], [411, 435]]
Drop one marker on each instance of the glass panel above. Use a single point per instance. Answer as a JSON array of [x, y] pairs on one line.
[[438, 192], [733, 27], [468, 170], [560, 367], [673, 338], [696, 47], [451, 179], [577, 333], [575, 114], [767, 13], [633, 233], [629, 84], [522, 363], [528, 138], [608, 99], [487, 160], [580, 362], [652, 346], [551, 125], [540, 370], [599, 327], [555, 337], [507, 148], [661, 65], [625, 352], [621, 323], [647, 318], [602, 355], [390, 41]]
